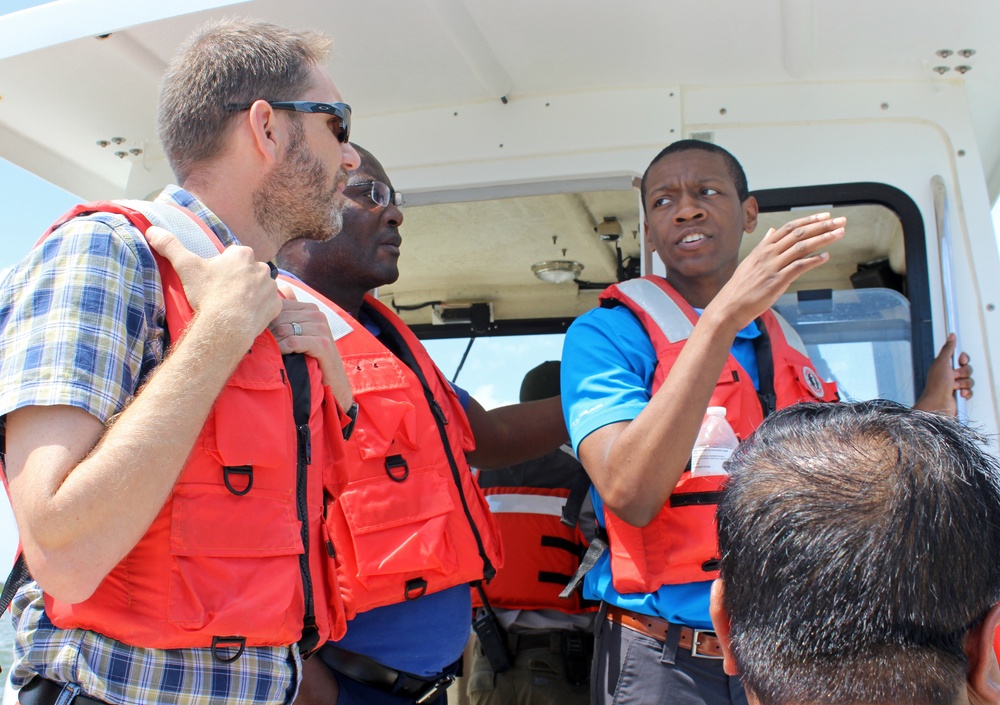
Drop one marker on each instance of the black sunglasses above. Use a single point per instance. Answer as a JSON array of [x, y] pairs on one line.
[[341, 111]]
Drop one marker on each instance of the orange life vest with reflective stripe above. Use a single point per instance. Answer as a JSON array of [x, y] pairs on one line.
[[416, 520], [680, 544], [541, 553], [233, 557]]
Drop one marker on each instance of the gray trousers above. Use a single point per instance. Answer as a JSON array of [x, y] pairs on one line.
[[634, 669]]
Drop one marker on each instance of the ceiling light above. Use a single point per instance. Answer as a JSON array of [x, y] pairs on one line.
[[557, 271]]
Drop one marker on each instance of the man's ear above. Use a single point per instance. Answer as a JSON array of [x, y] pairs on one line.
[[720, 620], [983, 680], [750, 211], [265, 130]]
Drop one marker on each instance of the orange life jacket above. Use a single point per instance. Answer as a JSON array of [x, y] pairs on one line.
[[680, 544], [541, 553], [416, 520], [233, 557]]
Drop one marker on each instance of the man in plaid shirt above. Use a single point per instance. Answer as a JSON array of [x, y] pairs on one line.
[[99, 423]]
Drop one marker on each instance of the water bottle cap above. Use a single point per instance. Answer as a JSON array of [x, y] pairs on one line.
[[716, 411]]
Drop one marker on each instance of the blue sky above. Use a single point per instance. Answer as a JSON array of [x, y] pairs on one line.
[[28, 205]]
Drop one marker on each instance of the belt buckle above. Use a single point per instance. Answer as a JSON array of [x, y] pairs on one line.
[[695, 643], [436, 688]]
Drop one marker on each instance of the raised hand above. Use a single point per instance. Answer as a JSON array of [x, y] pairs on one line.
[[778, 260]]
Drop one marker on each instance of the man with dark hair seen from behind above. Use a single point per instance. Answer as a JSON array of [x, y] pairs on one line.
[[169, 505], [860, 559]]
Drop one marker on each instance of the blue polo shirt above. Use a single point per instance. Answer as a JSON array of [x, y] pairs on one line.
[[606, 376]]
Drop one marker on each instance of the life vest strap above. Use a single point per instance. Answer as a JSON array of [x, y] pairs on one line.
[[595, 550]]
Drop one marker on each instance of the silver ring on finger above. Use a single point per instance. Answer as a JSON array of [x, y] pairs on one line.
[[296, 329]]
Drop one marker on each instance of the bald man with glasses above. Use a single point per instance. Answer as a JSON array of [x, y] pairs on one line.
[[404, 640]]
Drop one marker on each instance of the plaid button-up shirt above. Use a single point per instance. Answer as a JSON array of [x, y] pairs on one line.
[[82, 323]]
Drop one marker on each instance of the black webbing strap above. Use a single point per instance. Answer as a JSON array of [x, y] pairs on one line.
[[574, 503], [765, 371], [19, 575], [596, 549]]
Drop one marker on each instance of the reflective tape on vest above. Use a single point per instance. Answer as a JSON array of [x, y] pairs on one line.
[[526, 504], [671, 320]]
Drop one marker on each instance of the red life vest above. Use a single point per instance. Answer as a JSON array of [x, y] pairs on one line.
[[541, 553], [680, 544], [233, 557], [404, 494]]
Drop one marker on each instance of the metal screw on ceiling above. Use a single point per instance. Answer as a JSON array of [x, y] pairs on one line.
[[884, 106], [944, 53], [941, 69], [966, 53], [102, 143], [961, 152], [118, 140], [722, 111], [135, 151], [963, 68], [120, 155]]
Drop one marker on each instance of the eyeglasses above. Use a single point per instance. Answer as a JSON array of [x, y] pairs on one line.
[[380, 194], [341, 111]]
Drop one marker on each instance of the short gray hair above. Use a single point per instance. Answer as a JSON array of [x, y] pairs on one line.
[[228, 63]]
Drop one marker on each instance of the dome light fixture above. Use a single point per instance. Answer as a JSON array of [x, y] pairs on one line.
[[557, 271]]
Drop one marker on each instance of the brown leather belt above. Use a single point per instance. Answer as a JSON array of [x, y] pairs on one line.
[[699, 642]]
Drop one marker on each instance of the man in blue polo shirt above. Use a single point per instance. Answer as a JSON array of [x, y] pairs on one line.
[[635, 393]]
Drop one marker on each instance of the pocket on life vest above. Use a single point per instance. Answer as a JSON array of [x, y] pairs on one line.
[[400, 527], [247, 428], [218, 539], [382, 421]]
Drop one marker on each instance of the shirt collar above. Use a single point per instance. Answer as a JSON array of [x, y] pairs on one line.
[[180, 197]]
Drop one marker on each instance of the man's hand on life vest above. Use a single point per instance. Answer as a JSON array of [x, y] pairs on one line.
[[779, 259], [233, 290], [943, 380], [301, 327]]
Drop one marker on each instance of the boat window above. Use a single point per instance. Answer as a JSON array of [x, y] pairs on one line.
[[495, 365], [863, 315]]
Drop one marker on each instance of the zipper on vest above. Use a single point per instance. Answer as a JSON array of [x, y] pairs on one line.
[[488, 570], [302, 487], [298, 377], [438, 412]]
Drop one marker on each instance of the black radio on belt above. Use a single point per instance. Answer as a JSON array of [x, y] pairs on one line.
[[492, 636]]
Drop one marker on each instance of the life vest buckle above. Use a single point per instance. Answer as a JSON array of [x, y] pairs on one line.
[[228, 642], [244, 470], [414, 589], [393, 463]]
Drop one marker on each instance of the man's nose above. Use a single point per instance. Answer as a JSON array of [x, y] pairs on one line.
[[349, 157], [688, 208], [393, 215]]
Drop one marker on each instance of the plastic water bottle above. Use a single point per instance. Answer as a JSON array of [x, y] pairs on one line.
[[715, 443]]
